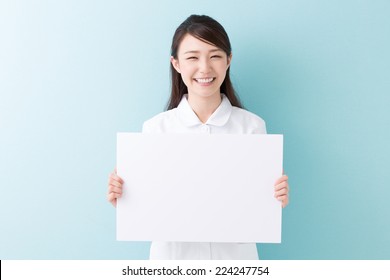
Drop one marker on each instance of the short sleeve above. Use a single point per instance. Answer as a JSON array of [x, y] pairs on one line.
[[261, 127], [146, 127]]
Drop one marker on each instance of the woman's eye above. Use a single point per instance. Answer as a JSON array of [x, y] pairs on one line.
[[191, 58], [216, 56]]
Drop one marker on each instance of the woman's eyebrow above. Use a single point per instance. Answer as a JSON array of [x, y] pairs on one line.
[[213, 50]]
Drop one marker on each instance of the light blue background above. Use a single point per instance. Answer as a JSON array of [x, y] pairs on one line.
[[73, 73]]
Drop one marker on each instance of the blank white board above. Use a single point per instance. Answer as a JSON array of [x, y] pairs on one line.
[[199, 188]]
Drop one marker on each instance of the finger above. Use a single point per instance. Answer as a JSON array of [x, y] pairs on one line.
[[282, 185], [284, 199], [114, 183], [281, 192], [113, 196], [115, 177], [113, 202], [114, 189], [281, 179]]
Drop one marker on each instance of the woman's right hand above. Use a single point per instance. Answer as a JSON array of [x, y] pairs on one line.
[[114, 187]]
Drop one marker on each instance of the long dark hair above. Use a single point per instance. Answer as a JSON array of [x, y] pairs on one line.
[[212, 32]]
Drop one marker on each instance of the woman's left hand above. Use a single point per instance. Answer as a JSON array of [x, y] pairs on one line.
[[281, 190]]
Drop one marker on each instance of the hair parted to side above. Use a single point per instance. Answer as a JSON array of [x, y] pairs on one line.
[[212, 32]]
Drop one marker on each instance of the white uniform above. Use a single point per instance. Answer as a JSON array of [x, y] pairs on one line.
[[226, 119]]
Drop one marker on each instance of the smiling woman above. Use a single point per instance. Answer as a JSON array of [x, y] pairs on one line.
[[203, 69], [200, 37], [202, 101]]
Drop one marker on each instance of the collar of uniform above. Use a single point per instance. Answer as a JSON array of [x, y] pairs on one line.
[[218, 118]]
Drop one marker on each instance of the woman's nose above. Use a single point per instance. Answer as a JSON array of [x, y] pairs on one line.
[[204, 66]]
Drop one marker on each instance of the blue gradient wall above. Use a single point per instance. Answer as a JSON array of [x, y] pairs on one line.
[[73, 73]]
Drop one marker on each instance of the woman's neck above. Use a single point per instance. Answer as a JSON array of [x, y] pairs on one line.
[[204, 107]]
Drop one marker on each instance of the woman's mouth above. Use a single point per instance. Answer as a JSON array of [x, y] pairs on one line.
[[204, 81]]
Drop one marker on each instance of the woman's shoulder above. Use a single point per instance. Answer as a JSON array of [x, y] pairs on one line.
[[248, 119], [245, 114]]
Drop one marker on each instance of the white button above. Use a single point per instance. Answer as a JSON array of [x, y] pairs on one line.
[[205, 128]]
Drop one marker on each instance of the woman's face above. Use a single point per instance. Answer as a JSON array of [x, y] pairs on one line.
[[202, 66]]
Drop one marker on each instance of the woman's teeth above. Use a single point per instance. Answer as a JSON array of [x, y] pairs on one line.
[[205, 81]]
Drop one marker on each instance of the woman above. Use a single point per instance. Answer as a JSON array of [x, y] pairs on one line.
[[202, 101]]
